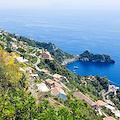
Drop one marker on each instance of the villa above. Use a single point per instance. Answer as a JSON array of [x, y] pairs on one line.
[[59, 92], [20, 59], [44, 55], [50, 83], [109, 118], [14, 47]]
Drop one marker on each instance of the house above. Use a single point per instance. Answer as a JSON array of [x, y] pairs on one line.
[[31, 38], [100, 103], [57, 76], [29, 69], [1, 30], [21, 43], [14, 47], [81, 96], [17, 35], [44, 55], [21, 69], [15, 40], [5, 33], [58, 85], [20, 59], [109, 102], [50, 83], [111, 108], [42, 87], [109, 118], [96, 105], [117, 113], [89, 79], [59, 92], [34, 76], [114, 89], [45, 71], [12, 43]]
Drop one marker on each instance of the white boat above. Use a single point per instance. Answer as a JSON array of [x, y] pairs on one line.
[[75, 67]]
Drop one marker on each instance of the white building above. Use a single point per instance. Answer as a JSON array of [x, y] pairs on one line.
[[117, 113], [42, 87], [14, 39], [111, 108], [20, 59]]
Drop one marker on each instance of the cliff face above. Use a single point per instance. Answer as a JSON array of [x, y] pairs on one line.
[[103, 58], [67, 61], [55, 51]]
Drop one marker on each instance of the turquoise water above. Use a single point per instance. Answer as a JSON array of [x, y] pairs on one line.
[[73, 32]]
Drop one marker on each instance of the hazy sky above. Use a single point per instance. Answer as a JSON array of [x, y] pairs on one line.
[[60, 4]]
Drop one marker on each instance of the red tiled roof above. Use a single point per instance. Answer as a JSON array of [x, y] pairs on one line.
[[109, 118], [58, 85], [81, 96], [100, 103], [57, 90]]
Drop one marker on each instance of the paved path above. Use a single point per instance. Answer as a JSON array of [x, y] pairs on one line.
[[104, 94], [38, 61]]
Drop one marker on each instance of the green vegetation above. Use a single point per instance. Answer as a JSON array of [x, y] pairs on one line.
[[21, 50], [38, 53], [33, 59], [56, 52], [31, 50], [8, 50], [91, 88], [16, 103], [9, 39], [115, 98], [1, 46], [103, 58]]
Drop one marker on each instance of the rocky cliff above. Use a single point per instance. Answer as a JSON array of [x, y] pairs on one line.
[[103, 58], [55, 51]]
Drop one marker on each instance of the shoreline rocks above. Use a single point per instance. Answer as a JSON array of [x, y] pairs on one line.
[[68, 61], [86, 56], [102, 58]]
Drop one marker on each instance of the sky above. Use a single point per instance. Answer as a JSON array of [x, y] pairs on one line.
[[60, 4]]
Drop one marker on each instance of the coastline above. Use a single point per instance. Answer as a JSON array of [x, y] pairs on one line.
[[68, 61]]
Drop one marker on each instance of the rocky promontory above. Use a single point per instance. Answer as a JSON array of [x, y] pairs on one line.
[[67, 61], [102, 58]]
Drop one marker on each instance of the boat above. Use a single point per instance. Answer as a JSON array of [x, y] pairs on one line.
[[74, 72], [75, 67]]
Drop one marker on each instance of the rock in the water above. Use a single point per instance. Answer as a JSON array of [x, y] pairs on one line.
[[103, 58]]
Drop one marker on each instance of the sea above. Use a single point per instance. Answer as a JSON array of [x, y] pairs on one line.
[[73, 31]]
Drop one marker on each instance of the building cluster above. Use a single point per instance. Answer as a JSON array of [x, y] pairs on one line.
[[97, 105], [56, 87], [113, 88]]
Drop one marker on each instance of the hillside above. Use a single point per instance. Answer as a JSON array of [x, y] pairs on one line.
[[55, 51], [30, 78]]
